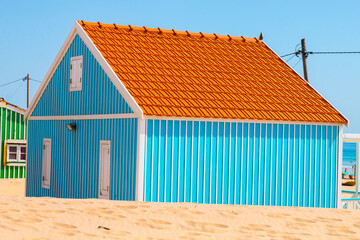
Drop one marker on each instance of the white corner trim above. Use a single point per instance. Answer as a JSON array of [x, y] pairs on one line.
[[347, 124], [109, 71], [340, 153], [27, 155], [51, 71], [140, 161], [85, 117]]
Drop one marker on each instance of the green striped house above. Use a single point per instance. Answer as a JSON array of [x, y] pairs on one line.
[[12, 141]]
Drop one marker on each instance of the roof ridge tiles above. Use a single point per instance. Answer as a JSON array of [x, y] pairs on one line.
[[174, 32]]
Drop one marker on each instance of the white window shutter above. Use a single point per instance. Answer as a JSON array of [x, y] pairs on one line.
[[80, 74], [71, 74], [76, 66]]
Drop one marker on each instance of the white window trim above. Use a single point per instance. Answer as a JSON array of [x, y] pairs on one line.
[[73, 86], [83, 117], [17, 161], [14, 142], [46, 184]]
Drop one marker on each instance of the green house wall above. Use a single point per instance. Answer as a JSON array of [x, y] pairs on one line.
[[13, 126]]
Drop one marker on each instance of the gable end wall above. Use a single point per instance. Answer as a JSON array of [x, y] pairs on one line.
[[98, 94]]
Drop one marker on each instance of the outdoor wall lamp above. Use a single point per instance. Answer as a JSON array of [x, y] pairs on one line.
[[71, 126]]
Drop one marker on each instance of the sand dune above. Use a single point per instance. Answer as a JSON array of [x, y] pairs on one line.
[[50, 218]]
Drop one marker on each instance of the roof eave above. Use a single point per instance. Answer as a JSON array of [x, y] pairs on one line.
[[239, 120], [347, 121]]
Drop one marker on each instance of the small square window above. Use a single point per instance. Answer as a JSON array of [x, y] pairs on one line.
[[23, 153], [76, 65], [12, 149], [16, 153]]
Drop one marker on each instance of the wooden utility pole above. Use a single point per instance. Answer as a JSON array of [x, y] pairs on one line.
[[304, 57], [28, 88]]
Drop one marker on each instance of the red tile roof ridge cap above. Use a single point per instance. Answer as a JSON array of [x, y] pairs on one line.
[[169, 31]]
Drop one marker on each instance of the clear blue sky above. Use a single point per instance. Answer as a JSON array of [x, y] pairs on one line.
[[32, 32]]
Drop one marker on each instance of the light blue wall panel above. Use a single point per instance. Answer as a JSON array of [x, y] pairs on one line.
[[98, 94], [75, 158], [241, 163]]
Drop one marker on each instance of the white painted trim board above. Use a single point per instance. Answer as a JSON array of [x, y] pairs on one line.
[[85, 117], [139, 196]]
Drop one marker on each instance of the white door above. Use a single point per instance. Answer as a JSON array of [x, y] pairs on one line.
[[46, 163], [104, 169]]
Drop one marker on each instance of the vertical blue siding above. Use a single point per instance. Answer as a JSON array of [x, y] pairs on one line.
[[194, 162], [201, 163], [98, 94], [75, 158], [242, 163]]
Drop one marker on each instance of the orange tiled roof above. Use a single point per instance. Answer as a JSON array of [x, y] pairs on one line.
[[185, 74]]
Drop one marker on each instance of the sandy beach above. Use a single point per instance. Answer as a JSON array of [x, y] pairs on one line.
[[12, 187], [50, 218]]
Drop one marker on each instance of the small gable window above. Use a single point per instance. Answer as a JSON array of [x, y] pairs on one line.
[[76, 65]]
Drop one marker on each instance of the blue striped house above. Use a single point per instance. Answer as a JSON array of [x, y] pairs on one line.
[[130, 113]]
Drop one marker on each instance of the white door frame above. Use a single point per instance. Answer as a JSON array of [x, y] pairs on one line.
[[104, 142], [46, 168]]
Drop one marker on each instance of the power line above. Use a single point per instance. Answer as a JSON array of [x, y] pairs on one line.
[[297, 63], [290, 54], [290, 58], [23, 79], [12, 95], [35, 80], [331, 52], [305, 54], [27, 78], [297, 52], [11, 82]]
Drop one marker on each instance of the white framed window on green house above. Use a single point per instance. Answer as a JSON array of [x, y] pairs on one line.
[[76, 66], [15, 152]]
